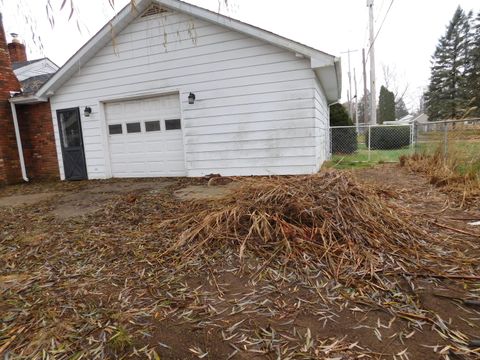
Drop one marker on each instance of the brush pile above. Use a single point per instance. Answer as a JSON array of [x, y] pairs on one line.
[[343, 227]]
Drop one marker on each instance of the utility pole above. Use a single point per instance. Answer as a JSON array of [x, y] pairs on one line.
[[373, 90], [356, 98], [349, 94], [365, 90]]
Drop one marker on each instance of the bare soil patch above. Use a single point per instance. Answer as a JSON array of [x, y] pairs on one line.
[[94, 197], [206, 192], [22, 200]]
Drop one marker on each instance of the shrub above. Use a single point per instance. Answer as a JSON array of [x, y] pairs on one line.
[[339, 116], [388, 137], [344, 140]]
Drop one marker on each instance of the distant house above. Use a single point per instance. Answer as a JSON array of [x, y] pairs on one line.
[[183, 91], [406, 120], [27, 143], [421, 121]]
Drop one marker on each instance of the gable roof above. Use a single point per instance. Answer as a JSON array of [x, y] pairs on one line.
[[27, 69], [327, 67]]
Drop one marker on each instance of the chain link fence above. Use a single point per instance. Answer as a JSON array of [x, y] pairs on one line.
[[456, 141], [371, 143]]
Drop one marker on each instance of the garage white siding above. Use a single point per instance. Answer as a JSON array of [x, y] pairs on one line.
[[257, 109], [322, 124]]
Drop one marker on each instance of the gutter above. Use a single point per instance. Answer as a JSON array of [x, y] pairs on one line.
[[338, 72], [19, 141], [31, 99]]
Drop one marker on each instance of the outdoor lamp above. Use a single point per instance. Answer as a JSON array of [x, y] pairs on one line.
[[87, 111], [191, 98]]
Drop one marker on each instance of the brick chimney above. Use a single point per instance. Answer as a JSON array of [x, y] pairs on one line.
[[17, 50], [9, 162]]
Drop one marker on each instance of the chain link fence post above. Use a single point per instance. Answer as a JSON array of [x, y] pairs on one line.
[[330, 131], [445, 140], [413, 136], [369, 143]]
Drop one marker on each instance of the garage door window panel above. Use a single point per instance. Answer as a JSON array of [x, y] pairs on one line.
[[115, 129], [133, 128], [151, 126], [173, 124]]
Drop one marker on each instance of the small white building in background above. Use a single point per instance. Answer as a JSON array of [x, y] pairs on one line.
[[171, 89], [406, 120]]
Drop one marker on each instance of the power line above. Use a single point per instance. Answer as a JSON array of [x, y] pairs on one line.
[[381, 26]]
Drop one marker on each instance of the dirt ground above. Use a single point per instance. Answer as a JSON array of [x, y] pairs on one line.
[[82, 277]]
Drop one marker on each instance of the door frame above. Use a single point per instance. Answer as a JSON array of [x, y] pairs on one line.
[[60, 134]]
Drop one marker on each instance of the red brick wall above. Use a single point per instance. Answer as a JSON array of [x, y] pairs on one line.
[[36, 131], [17, 52], [9, 163]]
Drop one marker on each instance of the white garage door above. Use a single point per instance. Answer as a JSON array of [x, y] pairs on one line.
[[145, 137]]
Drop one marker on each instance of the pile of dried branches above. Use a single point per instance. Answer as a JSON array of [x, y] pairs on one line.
[[459, 180], [344, 227]]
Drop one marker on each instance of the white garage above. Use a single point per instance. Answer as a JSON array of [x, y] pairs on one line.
[[145, 137], [183, 91]]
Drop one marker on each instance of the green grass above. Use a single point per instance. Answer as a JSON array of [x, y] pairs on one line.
[[362, 159], [465, 151]]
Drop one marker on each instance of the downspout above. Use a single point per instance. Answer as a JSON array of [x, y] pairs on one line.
[[19, 142]]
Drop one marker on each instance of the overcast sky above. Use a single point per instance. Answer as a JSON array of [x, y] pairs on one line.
[[405, 43]]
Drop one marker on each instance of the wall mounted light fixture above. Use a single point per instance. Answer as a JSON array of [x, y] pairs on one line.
[[87, 111], [191, 98]]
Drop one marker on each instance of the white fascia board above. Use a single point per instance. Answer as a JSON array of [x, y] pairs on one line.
[[99, 40]]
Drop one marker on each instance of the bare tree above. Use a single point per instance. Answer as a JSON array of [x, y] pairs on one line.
[[392, 83], [399, 91]]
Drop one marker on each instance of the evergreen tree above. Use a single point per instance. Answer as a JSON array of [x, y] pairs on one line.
[[447, 96], [386, 106], [400, 109], [473, 81]]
